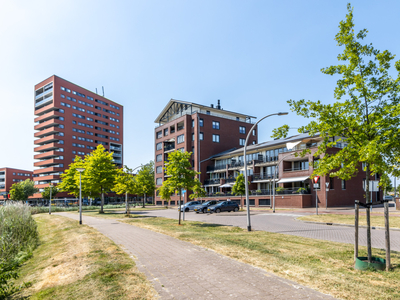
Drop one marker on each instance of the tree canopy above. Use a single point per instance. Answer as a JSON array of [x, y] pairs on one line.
[[46, 192], [23, 190], [145, 183], [365, 116]]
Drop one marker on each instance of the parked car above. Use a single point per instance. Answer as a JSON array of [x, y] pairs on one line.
[[190, 205], [224, 206], [203, 206]]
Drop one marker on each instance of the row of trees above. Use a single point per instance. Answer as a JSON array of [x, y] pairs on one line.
[[101, 176]]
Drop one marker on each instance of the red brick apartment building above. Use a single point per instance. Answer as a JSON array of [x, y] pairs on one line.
[[71, 120], [203, 130], [293, 183], [9, 176]]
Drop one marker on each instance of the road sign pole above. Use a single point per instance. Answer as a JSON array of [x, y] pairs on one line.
[[326, 194], [316, 190]]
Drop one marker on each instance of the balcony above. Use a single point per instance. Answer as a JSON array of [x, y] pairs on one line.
[[43, 93], [266, 159], [266, 177], [49, 147], [48, 154], [117, 154], [47, 131], [116, 148], [230, 180], [44, 102], [236, 165], [47, 124], [169, 147], [295, 169], [48, 177], [48, 170], [47, 162], [216, 168], [117, 161], [48, 139], [292, 191], [212, 181], [49, 116]]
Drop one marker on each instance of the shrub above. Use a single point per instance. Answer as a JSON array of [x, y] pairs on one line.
[[18, 238]]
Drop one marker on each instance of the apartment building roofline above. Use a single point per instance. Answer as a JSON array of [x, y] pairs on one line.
[[277, 142], [160, 117], [79, 87]]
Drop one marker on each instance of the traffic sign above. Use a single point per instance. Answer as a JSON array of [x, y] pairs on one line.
[[316, 179], [327, 184]]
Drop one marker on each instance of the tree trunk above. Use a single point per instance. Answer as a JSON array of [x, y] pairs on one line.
[[126, 203], [368, 200], [144, 200], [180, 206], [102, 203]]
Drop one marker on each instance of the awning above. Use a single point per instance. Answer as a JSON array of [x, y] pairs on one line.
[[226, 185], [293, 179]]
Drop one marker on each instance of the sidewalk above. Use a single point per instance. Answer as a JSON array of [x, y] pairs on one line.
[[180, 270]]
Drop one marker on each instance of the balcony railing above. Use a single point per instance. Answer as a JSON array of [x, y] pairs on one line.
[[237, 164], [212, 181], [264, 159], [169, 147], [214, 168], [115, 148], [230, 180], [295, 169], [265, 176], [291, 191]]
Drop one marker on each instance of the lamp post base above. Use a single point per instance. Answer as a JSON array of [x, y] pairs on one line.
[[248, 228], [80, 222]]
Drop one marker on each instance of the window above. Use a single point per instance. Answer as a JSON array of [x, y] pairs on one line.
[[159, 146], [192, 136], [364, 166], [165, 131], [237, 118], [181, 138], [60, 133], [254, 132], [159, 169], [74, 137], [215, 138], [159, 181], [343, 184], [331, 186], [182, 149], [201, 122], [159, 157], [61, 142], [62, 96], [61, 126], [89, 119], [242, 129], [159, 134], [242, 142], [215, 125], [201, 136], [61, 118], [192, 123], [90, 98], [208, 112]]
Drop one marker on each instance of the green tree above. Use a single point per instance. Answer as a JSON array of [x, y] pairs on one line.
[[70, 179], [165, 192], [239, 188], [100, 172], [46, 192], [366, 113], [198, 190], [125, 183], [182, 176], [23, 190], [145, 181]]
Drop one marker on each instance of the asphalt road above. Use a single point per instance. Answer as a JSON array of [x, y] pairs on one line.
[[286, 223]]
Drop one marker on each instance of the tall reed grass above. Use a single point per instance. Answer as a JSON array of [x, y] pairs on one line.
[[18, 238]]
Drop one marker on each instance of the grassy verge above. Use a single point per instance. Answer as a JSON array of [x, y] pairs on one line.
[[77, 262], [379, 221], [322, 265]]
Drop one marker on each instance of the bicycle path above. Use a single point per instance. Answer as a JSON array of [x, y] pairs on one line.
[[181, 270]]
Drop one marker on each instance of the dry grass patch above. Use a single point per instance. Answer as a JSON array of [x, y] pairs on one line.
[[75, 261], [322, 265], [379, 221]]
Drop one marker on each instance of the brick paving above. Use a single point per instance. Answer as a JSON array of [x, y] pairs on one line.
[[180, 270]]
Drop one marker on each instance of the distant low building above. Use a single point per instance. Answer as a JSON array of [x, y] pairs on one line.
[[9, 176]]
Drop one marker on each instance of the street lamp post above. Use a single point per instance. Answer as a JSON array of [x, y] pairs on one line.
[[80, 170], [273, 188], [245, 166], [51, 187]]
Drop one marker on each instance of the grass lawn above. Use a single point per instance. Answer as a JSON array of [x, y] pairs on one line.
[[322, 265], [77, 262], [379, 221]]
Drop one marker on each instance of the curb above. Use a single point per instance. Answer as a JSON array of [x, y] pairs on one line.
[[347, 225]]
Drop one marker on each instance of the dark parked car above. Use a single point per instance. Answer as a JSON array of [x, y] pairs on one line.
[[224, 206], [203, 207]]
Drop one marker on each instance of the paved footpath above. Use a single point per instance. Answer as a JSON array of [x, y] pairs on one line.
[[181, 270]]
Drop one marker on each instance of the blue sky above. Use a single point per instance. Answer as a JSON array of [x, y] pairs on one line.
[[253, 55]]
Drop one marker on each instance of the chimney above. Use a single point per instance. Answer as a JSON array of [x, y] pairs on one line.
[[218, 106], [212, 105]]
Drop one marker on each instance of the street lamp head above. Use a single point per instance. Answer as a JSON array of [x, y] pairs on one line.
[[282, 113], [80, 170]]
